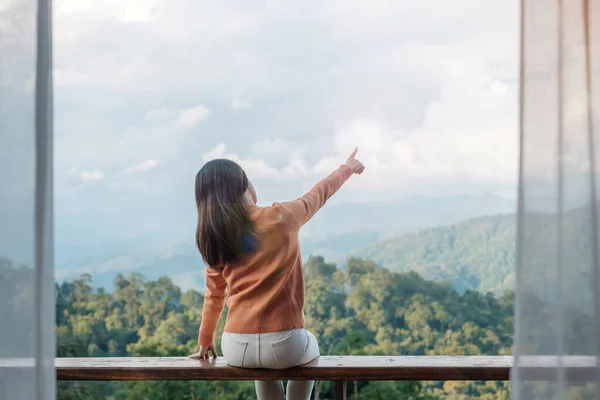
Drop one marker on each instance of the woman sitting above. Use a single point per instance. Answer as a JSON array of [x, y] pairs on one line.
[[253, 255]]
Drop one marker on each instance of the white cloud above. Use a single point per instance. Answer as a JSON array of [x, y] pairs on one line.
[[7, 5], [470, 132], [239, 105], [17, 45], [142, 167], [498, 88], [185, 118], [123, 11], [254, 167], [276, 150], [425, 89], [366, 134], [190, 117], [91, 176], [161, 136], [160, 115], [258, 168]]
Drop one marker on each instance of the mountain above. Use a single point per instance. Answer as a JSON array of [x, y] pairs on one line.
[[333, 233], [475, 254], [480, 254], [341, 228], [407, 214], [179, 260]]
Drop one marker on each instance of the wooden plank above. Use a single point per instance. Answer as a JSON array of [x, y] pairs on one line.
[[427, 368], [325, 368]]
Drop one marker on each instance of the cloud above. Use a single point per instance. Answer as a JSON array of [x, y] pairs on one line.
[[469, 133], [159, 135], [159, 115], [91, 176], [17, 43], [498, 88], [258, 168], [427, 90], [190, 117], [253, 166], [300, 77], [239, 105], [276, 150], [142, 167]]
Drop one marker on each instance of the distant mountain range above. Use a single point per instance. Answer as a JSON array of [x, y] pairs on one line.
[[480, 254], [474, 254], [341, 228], [178, 260], [336, 231]]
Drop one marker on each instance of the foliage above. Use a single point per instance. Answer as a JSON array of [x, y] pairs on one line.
[[477, 254], [361, 309]]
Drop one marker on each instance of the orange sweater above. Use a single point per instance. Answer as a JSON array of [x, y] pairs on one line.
[[266, 290]]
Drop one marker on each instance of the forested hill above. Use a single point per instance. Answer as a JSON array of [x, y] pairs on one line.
[[479, 254], [475, 254], [362, 309]]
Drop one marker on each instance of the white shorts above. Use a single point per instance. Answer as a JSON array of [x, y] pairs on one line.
[[275, 350]]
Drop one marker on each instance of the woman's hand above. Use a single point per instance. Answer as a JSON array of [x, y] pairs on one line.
[[203, 352], [356, 166]]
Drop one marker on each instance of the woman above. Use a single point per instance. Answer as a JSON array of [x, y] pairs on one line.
[[253, 255]]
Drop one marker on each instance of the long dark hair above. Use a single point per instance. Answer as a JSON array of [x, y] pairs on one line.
[[225, 232]]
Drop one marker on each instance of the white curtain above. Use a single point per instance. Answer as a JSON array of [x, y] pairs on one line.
[[558, 275], [27, 323]]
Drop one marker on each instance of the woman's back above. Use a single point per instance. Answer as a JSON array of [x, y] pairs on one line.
[[266, 288]]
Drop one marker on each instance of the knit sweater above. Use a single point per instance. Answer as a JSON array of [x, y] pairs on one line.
[[266, 289]]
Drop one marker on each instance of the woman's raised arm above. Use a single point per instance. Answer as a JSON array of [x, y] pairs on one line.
[[305, 207]]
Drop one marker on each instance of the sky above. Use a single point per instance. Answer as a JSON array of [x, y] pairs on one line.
[[146, 91]]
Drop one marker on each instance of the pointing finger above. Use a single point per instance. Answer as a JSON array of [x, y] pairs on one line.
[[354, 152]]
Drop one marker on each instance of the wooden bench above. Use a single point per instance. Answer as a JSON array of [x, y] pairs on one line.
[[338, 369], [345, 368]]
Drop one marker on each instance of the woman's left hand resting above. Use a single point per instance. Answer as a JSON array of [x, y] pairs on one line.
[[203, 352]]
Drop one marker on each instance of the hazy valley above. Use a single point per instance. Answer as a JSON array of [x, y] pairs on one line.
[[338, 230]]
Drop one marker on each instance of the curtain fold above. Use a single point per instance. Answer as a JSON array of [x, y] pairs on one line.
[[557, 312], [27, 311]]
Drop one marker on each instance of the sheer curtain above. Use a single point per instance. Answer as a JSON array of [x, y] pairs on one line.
[[27, 340], [558, 274]]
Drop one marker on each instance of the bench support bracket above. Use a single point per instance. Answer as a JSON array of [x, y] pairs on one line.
[[340, 390]]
